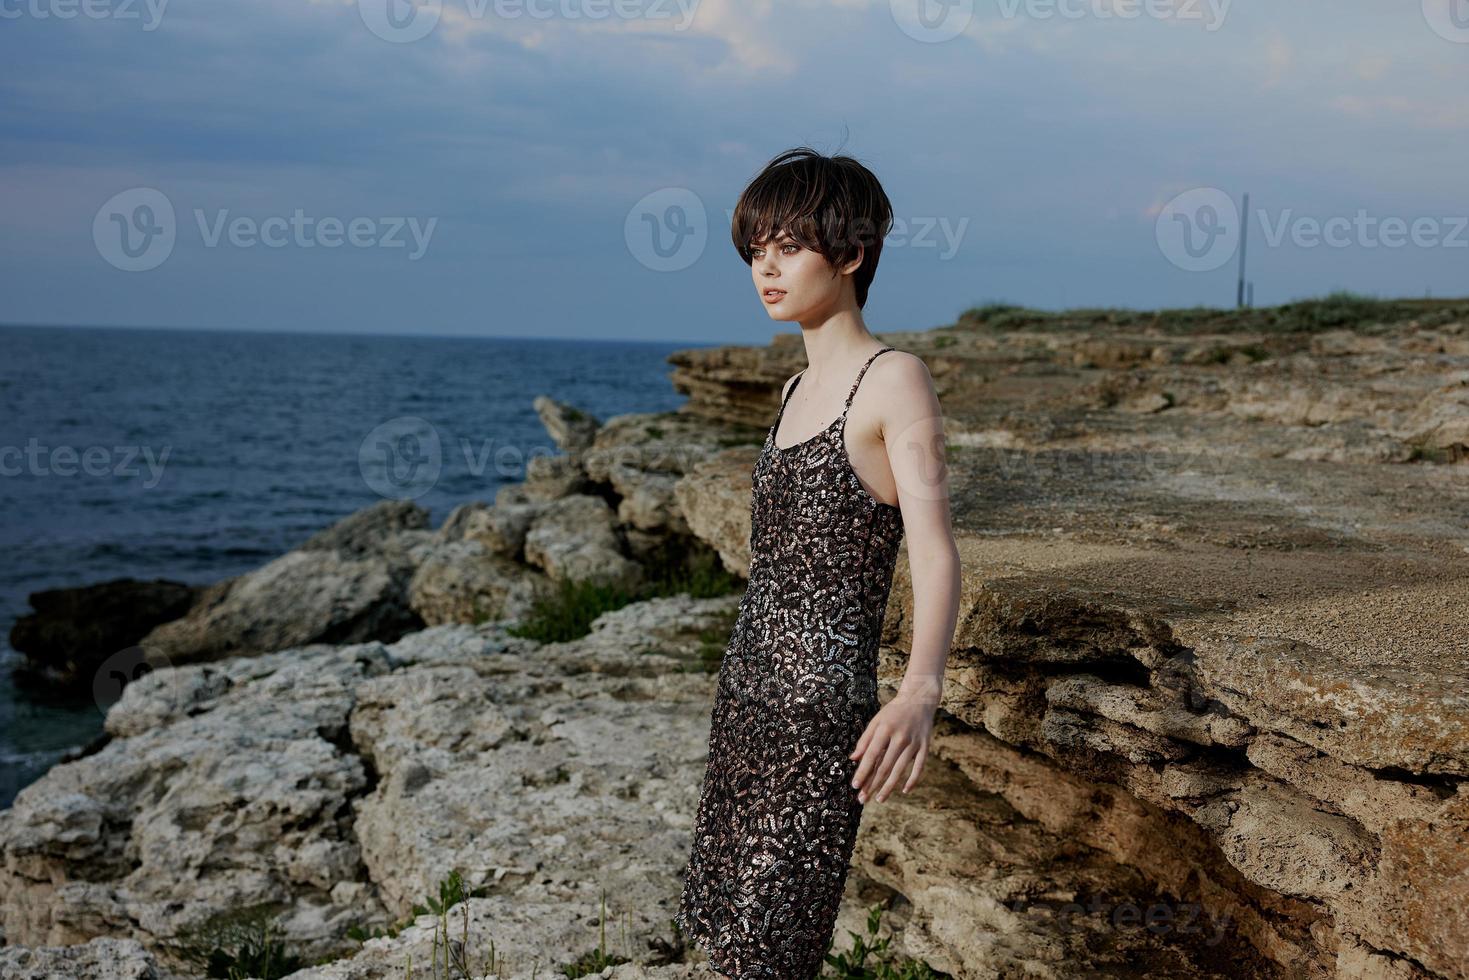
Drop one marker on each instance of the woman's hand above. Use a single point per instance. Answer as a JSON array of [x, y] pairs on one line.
[[897, 736]]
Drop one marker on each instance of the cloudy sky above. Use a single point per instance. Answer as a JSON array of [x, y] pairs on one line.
[[566, 167]]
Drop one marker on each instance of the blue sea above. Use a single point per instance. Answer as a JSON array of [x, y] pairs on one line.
[[198, 455]]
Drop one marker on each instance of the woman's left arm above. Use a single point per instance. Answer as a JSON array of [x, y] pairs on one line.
[[897, 738]]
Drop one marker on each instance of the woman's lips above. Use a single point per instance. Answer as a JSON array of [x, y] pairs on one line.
[[774, 296]]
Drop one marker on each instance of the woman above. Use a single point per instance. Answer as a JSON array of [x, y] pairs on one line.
[[798, 742]]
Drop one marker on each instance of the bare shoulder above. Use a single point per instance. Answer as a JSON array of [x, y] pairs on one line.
[[902, 375], [904, 397]]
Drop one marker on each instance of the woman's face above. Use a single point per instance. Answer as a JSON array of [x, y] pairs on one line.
[[807, 287]]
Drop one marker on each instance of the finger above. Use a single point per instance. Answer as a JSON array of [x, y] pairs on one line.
[[870, 759], [917, 769], [889, 759], [899, 764], [856, 753]]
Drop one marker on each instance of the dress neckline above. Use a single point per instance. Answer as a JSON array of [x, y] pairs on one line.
[[804, 442], [830, 425]]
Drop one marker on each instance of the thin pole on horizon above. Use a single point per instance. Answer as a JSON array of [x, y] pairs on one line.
[[1244, 234]]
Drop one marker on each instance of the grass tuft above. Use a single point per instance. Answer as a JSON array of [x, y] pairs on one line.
[[871, 959], [568, 612], [238, 944]]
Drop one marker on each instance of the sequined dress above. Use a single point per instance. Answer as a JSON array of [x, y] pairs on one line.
[[777, 816]]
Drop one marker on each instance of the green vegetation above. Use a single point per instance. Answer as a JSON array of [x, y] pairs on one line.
[[451, 893], [599, 959], [568, 612], [671, 569], [713, 642], [1226, 353], [1340, 309], [238, 944], [1419, 453], [870, 958], [449, 958]]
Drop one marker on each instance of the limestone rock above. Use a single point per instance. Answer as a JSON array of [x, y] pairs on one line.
[[304, 596], [74, 631], [103, 958], [573, 539], [551, 477], [714, 499], [466, 582], [365, 532], [569, 427]]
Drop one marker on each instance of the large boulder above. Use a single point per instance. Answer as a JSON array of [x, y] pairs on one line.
[[466, 582], [568, 426], [299, 598], [340, 785], [371, 530], [73, 632], [714, 499], [575, 539], [346, 584], [223, 787]]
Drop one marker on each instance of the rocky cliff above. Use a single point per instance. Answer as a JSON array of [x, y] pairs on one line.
[[1206, 714], [1214, 617]]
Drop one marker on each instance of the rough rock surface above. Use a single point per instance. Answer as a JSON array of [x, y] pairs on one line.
[[568, 426], [103, 958], [1206, 714], [304, 596], [342, 783], [1222, 575], [74, 631]]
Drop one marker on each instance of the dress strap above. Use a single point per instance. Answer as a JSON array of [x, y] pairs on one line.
[[852, 394], [789, 391]]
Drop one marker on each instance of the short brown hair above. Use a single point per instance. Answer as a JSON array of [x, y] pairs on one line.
[[828, 204]]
